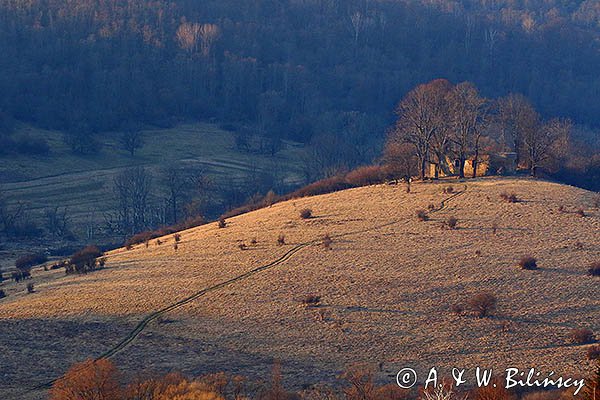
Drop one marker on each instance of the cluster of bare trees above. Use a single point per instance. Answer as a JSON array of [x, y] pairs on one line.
[[142, 204], [438, 121], [17, 222], [190, 35]]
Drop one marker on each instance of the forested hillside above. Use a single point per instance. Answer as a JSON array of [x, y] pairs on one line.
[[293, 69]]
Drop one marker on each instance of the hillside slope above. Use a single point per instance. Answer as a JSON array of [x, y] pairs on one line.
[[387, 286]]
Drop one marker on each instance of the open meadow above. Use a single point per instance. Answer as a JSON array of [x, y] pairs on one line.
[[392, 290]]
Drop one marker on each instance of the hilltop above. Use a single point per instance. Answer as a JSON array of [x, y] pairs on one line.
[[386, 285]]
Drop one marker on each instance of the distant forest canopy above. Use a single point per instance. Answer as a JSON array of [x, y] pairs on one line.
[[287, 68]]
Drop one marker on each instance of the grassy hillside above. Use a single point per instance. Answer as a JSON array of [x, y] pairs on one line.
[[84, 183], [387, 286]]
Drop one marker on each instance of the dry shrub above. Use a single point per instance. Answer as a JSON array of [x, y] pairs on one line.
[[457, 309], [177, 237], [580, 212], [391, 392], [2, 294], [275, 389], [578, 245], [306, 213], [155, 388], [582, 336], [448, 190], [19, 276], [243, 246], [451, 222], [367, 175], [431, 207], [545, 395], [561, 209], [528, 263], [222, 223], [482, 304], [477, 253], [422, 215], [270, 198], [30, 288], [84, 260], [253, 242], [175, 246], [494, 391], [158, 242], [281, 239], [327, 241], [139, 238], [311, 300], [27, 261], [361, 385], [594, 269], [185, 389], [88, 380], [494, 228], [509, 198], [323, 186], [59, 264], [593, 353]]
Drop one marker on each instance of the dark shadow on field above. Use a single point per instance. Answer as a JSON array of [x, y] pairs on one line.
[[35, 352]]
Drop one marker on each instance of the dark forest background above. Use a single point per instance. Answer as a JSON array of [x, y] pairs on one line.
[[326, 73], [293, 68]]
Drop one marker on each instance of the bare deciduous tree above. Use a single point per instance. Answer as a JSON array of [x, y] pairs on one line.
[[10, 216], [401, 159], [468, 118], [57, 221], [422, 114], [188, 35], [208, 34], [545, 142], [132, 188], [132, 140], [357, 21], [516, 116], [184, 185]]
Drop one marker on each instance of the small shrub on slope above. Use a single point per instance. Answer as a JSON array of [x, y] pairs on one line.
[[482, 304]]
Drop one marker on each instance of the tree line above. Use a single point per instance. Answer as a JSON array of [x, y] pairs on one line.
[[438, 121]]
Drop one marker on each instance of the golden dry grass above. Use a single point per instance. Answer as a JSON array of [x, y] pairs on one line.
[[386, 288]]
